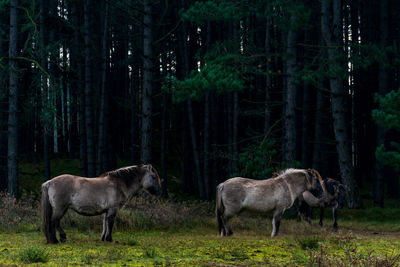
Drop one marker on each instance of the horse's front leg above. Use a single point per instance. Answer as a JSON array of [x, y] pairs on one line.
[[109, 221], [103, 235], [321, 216], [334, 211], [276, 221]]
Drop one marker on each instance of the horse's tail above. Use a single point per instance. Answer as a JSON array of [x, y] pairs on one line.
[[219, 207], [47, 210]]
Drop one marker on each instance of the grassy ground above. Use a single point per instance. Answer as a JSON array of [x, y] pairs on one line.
[[150, 232], [297, 245]]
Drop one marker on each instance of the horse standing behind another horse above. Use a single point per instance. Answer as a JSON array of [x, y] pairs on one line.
[[335, 191], [276, 194], [93, 196]]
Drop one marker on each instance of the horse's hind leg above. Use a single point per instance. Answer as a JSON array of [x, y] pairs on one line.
[[63, 235], [334, 211], [227, 231], [221, 227], [276, 221], [58, 213]]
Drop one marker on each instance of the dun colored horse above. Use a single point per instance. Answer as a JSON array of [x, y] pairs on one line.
[[276, 194], [93, 196], [335, 191]]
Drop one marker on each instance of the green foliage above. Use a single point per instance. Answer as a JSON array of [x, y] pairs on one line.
[[201, 12], [258, 161], [33, 255], [218, 74], [388, 115]]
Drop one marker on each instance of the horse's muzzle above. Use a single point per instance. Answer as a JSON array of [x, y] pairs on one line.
[[155, 191]]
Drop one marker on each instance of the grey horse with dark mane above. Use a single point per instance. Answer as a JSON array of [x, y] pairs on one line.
[[276, 194], [93, 196], [335, 191]]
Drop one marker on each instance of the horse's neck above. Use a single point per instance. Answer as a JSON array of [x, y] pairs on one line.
[[296, 188]]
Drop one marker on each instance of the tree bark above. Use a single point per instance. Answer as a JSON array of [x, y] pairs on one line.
[[206, 161], [3, 113], [103, 116], [44, 91], [332, 35], [268, 77], [12, 153], [289, 145], [147, 83], [88, 93]]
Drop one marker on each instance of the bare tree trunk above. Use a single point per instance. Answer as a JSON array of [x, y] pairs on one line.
[[12, 153], [383, 88], [44, 91], [147, 83], [163, 143], [289, 145], [332, 35], [235, 118], [206, 161], [268, 77], [88, 93], [195, 150], [3, 114], [103, 117]]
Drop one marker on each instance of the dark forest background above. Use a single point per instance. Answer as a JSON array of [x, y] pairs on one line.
[[203, 90]]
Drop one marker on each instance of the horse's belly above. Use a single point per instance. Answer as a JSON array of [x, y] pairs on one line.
[[89, 210], [258, 205], [89, 207]]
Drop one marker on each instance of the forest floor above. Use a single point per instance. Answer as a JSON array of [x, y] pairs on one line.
[[152, 231], [298, 244]]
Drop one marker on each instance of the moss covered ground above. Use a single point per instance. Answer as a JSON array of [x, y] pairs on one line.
[[297, 245], [158, 232]]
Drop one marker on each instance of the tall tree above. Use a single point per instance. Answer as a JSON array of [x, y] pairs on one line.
[[383, 88], [289, 145], [91, 168], [147, 82], [331, 26], [12, 153], [44, 91], [103, 116]]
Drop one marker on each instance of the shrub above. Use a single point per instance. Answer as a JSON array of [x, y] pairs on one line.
[[18, 213], [309, 243], [33, 255]]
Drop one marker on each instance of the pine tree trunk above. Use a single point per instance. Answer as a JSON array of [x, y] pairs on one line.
[[206, 161], [103, 116], [12, 153], [289, 145], [134, 128], [268, 77], [88, 93], [332, 35], [147, 83], [3, 115], [163, 143], [44, 91]]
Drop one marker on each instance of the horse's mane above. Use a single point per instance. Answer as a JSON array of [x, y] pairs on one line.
[[128, 174], [286, 171]]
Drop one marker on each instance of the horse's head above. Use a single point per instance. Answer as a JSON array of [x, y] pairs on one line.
[[151, 181], [313, 178]]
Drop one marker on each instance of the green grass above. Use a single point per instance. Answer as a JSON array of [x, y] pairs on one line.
[[153, 232], [298, 244]]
